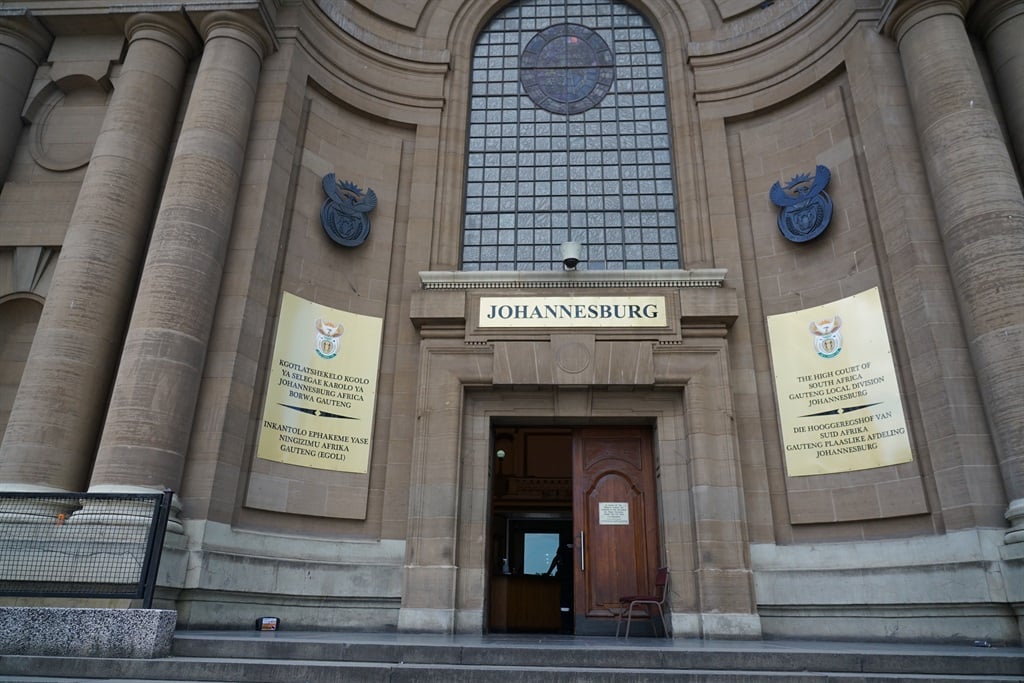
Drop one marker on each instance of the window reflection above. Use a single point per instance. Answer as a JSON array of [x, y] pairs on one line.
[[539, 549]]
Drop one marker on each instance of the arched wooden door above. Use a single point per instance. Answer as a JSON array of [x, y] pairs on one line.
[[615, 518]]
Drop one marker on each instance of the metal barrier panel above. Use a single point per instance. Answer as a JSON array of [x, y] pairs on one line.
[[87, 545]]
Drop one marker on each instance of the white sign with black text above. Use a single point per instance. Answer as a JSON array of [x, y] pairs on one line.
[[613, 513]]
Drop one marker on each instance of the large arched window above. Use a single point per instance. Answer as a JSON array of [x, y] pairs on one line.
[[568, 141]]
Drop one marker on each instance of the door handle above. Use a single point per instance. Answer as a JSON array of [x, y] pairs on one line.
[[583, 551]]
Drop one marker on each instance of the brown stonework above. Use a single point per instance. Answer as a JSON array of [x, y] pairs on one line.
[[159, 196], [51, 432], [165, 347], [980, 211], [23, 44]]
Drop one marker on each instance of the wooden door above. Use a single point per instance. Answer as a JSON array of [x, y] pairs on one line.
[[615, 519]]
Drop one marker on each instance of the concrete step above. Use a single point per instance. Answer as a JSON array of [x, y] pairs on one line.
[[36, 670], [51, 679], [223, 657], [608, 653]]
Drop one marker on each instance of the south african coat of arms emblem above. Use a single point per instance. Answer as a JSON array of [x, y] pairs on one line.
[[328, 337], [806, 209], [345, 213], [828, 341]]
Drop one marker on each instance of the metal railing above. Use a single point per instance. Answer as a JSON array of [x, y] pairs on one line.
[[82, 545]]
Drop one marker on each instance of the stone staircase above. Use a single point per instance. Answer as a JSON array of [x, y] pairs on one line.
[[314, 657]]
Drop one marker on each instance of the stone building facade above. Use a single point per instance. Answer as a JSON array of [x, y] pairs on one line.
[[163, 178]]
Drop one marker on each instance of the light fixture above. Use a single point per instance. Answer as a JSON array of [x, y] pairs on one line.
[[500, 454], [571, 252]]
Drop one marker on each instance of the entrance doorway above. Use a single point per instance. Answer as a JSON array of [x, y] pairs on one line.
[[574, 527]]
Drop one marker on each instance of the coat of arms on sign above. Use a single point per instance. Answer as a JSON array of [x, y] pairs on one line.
[[806, 208], [345, 213]]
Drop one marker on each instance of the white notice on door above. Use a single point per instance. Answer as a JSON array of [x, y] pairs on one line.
[[613, 513]]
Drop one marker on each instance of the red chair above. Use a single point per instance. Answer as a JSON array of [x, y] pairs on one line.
[[646, 603]]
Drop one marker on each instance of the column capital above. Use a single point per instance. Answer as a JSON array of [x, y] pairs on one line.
[[899, 16], [988, 15], [170, 29], [25, 34], [240, 27]]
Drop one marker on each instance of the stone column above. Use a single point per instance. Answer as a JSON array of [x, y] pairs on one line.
[[980, 211], [58, 409], [23, 45], [1000, 23], [152, 405]]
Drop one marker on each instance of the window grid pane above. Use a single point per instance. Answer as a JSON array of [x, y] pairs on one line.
[[602, 177]]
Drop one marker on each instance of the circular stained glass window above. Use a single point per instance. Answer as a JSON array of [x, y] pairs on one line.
[[567, 69]]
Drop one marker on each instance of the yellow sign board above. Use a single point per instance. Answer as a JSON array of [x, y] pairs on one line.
[[836, 388], [571, 311], [321, 388]]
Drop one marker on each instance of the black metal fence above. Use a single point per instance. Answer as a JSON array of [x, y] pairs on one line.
[[84, 545]]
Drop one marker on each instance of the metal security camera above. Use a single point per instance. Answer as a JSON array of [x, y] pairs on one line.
[[571, 254]]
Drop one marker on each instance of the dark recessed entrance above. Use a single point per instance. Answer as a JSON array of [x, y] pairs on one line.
[[573, 527]]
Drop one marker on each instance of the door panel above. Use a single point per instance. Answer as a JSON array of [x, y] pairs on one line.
[[615, 521]]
